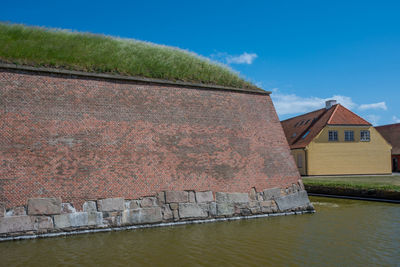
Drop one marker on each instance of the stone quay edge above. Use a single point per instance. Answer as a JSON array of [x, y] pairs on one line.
[[49, 216]]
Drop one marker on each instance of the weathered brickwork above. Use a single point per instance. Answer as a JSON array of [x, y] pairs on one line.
[[82, 139]]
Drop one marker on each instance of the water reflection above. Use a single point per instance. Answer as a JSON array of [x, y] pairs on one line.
[[332, 205], [341, 233]]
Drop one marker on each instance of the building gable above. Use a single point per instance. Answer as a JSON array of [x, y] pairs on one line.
[[301, 130]]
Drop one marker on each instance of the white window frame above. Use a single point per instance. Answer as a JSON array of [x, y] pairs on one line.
[[349, 136], [365, 136], [334, 134]]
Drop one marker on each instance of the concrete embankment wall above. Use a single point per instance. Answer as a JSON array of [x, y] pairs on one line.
[[80, 137]]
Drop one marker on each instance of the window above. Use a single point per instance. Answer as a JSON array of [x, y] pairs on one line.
[[333, 136], [364, 136], [299, 161], [305, 135], [348, 135]]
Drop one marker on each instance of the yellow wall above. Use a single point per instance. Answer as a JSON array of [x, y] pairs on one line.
[[326, 157], [299, 156]]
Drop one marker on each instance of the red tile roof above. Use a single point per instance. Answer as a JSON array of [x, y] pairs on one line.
[[391, 133], [301, 130], [343, 116]]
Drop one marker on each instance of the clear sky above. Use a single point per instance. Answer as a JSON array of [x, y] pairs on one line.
[[304, 51]]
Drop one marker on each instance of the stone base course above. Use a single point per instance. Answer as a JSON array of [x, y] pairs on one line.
[[272, 193], [52, 216], [193, 210], [232, 197], [111, 204], [2, 210], [16, 224], [297, 199], [44, 223], [17, 211], [176, 196], [142, 216], [67, 220], [89, 206], [206, 196], [48, 206]]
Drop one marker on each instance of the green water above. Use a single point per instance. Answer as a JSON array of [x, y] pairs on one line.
[[341, 233]]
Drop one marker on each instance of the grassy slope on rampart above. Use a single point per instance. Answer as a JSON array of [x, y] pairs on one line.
[[41, 47]]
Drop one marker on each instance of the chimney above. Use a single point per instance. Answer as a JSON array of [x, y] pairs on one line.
[[329, 103]]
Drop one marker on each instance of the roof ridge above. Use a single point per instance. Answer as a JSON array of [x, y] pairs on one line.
[[333, 113], [303, 114]]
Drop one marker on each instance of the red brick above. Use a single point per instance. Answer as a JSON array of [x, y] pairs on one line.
[[83, 139]]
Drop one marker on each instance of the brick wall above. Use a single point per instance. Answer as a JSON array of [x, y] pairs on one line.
[[89, 138]]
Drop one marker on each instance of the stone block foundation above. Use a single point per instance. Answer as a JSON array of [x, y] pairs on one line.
[[49, 219]]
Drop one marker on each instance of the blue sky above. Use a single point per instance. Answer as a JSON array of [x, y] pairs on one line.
[[303, 51]]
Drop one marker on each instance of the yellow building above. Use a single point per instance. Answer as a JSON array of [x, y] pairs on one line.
[[335, 141]]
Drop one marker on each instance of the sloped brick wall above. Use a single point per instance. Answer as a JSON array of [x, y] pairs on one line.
[[89, 138]]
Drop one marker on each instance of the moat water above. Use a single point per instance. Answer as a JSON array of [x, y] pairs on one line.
[[341, 233]]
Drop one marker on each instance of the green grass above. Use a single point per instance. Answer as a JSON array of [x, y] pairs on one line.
[[36, 46], [384, 182]]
